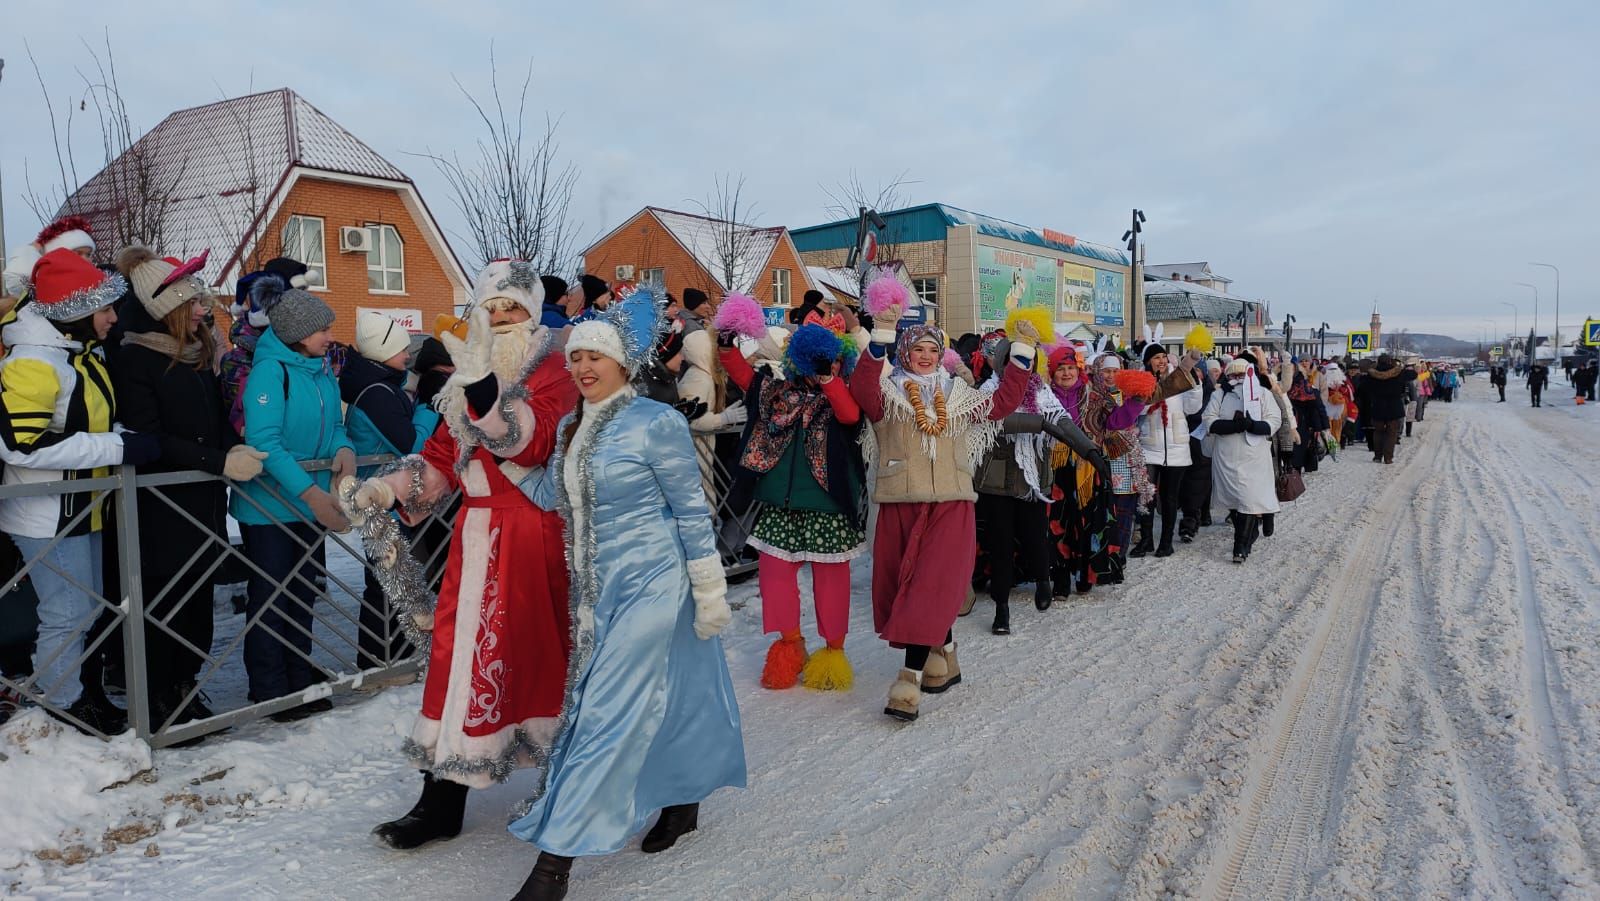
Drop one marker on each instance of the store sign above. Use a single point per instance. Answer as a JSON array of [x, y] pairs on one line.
[[1358, 342], [1010, 280], [1109, 298], [410, 320], [1077, 292]]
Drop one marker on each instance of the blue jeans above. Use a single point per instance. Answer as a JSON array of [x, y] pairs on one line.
[[280, 664], [66, 611]]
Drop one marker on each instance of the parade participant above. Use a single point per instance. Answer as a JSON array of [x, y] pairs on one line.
[[1497, 378], [1385, 406], [1112, 422], [1164, 438], [67, 233], [801, 458], [57, 412], [1080, 500], [650, 722], [1304, 391], [497, 667], [1015, 480], [929, 429], [1583, 381], [1336, 400], [1239, 421], [1286, 439]]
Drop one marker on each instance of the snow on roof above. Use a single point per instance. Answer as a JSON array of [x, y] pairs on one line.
[[706, 239], [843, 285], [1195, 271], [223, 165], [1166, 300]]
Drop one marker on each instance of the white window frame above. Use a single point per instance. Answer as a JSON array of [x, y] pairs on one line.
[[297, 250], [383, 267], [653, 278], [782, 287], [927, 289]]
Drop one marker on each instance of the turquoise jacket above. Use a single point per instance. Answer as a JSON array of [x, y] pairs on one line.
[[292, 413]]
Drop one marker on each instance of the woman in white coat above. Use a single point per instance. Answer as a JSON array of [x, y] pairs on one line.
[[1164, 436], [1240, 421]]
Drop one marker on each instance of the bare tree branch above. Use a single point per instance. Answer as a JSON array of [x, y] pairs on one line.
[[733, 237], [849, 196]]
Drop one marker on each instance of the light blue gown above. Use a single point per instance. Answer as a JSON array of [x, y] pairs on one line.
[[650, 719]]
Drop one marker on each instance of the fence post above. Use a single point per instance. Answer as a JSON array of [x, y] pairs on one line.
[[129, 567]]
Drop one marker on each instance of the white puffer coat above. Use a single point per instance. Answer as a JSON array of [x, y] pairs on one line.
[[1167, 443]]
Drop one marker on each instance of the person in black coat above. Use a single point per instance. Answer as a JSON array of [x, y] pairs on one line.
[[1538, 380], [1583, 381], [1385, 405], [166, 385], [1497, 378]]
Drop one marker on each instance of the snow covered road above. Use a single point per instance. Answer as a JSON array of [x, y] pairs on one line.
[[1398, 696]]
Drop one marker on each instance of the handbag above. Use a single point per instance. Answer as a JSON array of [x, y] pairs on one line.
[[1290, 485]]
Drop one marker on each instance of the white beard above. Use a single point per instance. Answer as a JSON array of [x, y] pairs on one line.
[[513, 346]]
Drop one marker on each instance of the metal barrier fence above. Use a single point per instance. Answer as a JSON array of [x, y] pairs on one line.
[[323, 613]]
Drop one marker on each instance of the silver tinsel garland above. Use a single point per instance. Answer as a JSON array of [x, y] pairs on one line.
[[397, 570]]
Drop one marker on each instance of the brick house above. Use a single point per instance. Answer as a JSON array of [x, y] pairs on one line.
[[267, 175], [674, 250]]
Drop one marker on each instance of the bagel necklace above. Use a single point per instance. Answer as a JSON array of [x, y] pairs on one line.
[[941, 418]]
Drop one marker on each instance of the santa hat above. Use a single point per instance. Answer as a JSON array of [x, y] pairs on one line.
[[505, 283], [379, 337], [161, 285], [66, 233], [67, 287]]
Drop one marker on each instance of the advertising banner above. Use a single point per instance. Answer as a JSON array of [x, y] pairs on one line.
[[1008, 280], [1109, 297], [1077, 292]]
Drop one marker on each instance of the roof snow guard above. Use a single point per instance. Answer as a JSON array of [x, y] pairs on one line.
[[222, 167]]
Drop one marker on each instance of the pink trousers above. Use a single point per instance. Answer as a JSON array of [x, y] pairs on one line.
[[780, 596]]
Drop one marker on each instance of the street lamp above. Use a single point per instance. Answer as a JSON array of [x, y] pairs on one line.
[[1558, 307], [1535, 311], [1515, 328], [1322, 341]]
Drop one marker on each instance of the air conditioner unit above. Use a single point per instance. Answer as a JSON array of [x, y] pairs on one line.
[[354, 239], [624, 273]]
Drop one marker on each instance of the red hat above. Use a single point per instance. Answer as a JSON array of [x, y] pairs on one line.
[[68, 287], [1062, 356]]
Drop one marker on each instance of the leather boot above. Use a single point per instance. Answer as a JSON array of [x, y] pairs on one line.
[[1238, 537], [1269, 521], [675, 822], [437, 814], [1002, 618], [1167, 528], [1042, 596], [1251, 530], [1147, 541], [548, 881]]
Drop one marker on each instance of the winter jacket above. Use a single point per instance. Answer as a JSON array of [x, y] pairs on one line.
[[1386, 392], [1288, 434], [1584, 379], [381, 418], [1166, 439], [57, 415], [235, 365], [1538, 377], [183, 407], [291, 405], [553, 315]]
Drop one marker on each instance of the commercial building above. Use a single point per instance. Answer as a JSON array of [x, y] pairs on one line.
[[974, 269]]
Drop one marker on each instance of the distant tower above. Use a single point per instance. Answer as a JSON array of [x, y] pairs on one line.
[[1377, 330]]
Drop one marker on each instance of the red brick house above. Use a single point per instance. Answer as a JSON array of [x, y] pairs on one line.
[[269, 174], [677, 250]]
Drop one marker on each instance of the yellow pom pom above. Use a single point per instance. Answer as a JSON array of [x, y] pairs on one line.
[[828, 670], [1038, 317], [1199, 338]]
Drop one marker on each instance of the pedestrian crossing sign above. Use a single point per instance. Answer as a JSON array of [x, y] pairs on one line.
[[1497, 351], [1358, 341], [1591, 332]]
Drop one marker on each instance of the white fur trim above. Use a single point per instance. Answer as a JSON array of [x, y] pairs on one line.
[[883, 336], [1022, 355], [540, 730], [705, 571], [495, 427], [76, 239], [596, 336]]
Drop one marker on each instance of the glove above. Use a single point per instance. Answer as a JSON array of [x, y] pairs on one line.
[[344, 464], [727, 339], [472, 356], [711, 613], [482, 394], [734, 414], [1102, 466], [139, 448], [243, 463], [325, 509], [690, 408], [375, 493]]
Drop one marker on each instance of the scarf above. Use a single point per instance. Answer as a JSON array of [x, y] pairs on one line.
[[1301, 390], [788, 406], [163, 343], [1093, 413]]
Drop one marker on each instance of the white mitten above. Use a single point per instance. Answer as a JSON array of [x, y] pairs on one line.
[[472, 356], [711, 612], [734, 414], [375, 493], [243, 463], [424, 621]]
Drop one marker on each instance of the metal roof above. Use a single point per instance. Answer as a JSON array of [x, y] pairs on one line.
[[705, 239], [222, 166], [1166, 300], [1195, 271], [929, 221]]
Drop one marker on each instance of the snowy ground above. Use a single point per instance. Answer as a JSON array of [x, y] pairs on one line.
[[1399, 695]]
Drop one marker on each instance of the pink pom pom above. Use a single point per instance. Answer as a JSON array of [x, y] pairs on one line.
[[886, 292], [952, 361], [742, 315]]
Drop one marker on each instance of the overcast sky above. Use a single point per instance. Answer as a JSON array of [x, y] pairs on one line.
[[1322, 153]]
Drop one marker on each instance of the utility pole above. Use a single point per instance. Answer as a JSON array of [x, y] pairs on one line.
[[1535, 288], [2, 181], [1322, 342]]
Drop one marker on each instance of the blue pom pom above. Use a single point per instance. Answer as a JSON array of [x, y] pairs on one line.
[[811, 351]]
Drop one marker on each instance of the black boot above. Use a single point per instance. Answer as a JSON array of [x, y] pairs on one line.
[[1167, 527], [96, 712], [1238, 537], [1042, 596], [1147, 541], [548, 881], [1408, 430], [437, 814], [1268, 521], [1002, 618], [1251, 530], [675, 822]]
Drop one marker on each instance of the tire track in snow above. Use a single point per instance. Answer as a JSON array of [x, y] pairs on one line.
[[1289, 793]]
